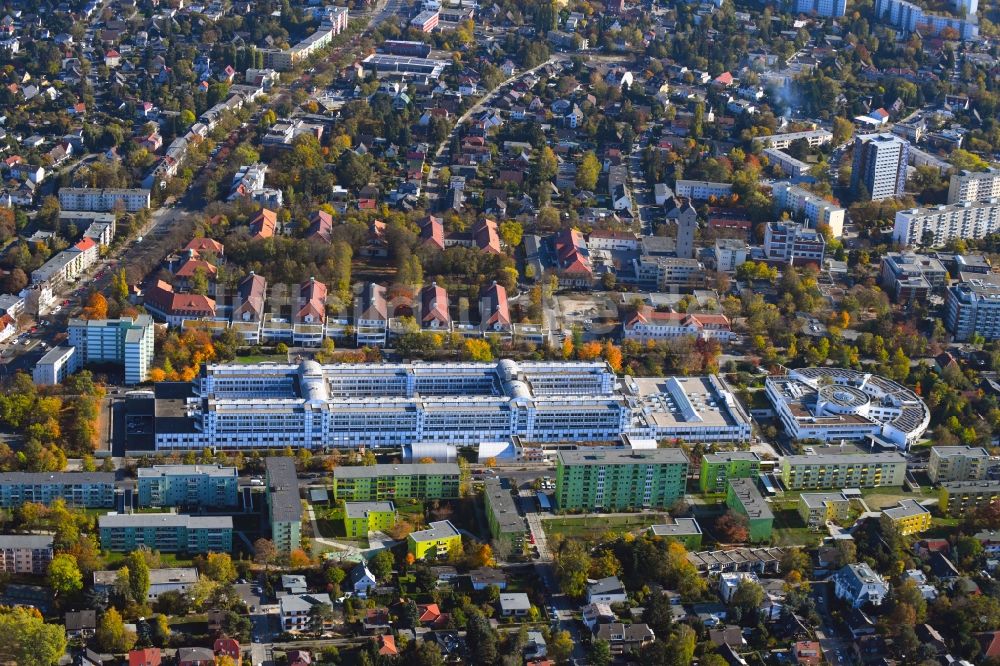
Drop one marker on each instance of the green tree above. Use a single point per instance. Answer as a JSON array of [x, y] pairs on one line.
[[381, 565], [511, 233], [119, 286], [138, 576], [26, 640], [588, 172], [560, 648], [600, 654], [112, 635], [572, 565], [843, 130], [353, 170], [481, 639], [64, 575], [219, 567], [683, 643]]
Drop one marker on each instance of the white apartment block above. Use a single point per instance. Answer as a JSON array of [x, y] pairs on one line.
[[702, 190], [816, 210], [815, 138], [57, 364], [831, 404], [972, 186], [958, 463], [308, 405], [25, 553], [103, 199], [789, 165], [937, 225], [126, 341], [334, 23], [730, 254], [880, 164], [793, 242], [973, 308], [913, 18], [660, 273]]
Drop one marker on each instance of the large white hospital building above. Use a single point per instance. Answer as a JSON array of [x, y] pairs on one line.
[[315, 406]]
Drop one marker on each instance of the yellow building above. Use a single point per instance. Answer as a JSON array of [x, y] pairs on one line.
[[910, 517], [436, 542]]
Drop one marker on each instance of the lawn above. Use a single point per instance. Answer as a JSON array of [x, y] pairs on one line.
[[261, 358], [593, 528], [167, 560], [790, 530], [881, 498]]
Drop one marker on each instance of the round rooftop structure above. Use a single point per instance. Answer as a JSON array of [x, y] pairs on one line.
[[508, 369], [841, 399], [902, 414]]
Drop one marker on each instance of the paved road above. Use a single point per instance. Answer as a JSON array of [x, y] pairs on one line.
[[642, 193]]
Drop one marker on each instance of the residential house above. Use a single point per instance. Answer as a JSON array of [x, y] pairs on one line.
[[514, 604], [434, 312], [81, 624], [625, 637], [263, 224], [606, 590], [195, 656], [494, 311], [858, 585]]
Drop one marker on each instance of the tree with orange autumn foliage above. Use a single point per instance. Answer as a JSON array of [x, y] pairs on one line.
[[567, 348], [97, 307], [298, 558], [589, 351], [182, 355], [613, 355]]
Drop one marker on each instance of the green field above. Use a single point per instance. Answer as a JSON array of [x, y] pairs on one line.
[[790, 530], [594, 527]]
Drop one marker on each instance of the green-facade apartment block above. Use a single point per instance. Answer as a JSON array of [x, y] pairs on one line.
[[743, 497], [718, 468], [506, 525], [379, 483], [284, 507], [685, 530], [620, 479], [437, 542], [360, 518]]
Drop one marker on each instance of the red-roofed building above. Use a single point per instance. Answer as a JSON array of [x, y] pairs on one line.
[[312, 295], [434, 313], [205, 245], [486, 236], [320, 226], [251, 290], [187, 271], [808, 653], [112, 58], [990, 643], [430, 615], [8, 327], [387, 645], [161, 300], [227, 647], [299, 658], [573, 259], [145, 657], [648, 324], [725, 80], [432, 232], [264, 224], [494, 311]]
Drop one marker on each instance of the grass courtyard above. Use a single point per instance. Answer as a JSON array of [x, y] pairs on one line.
[[590, 527]]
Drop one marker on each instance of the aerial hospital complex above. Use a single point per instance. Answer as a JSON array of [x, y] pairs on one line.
[[308, 405]]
